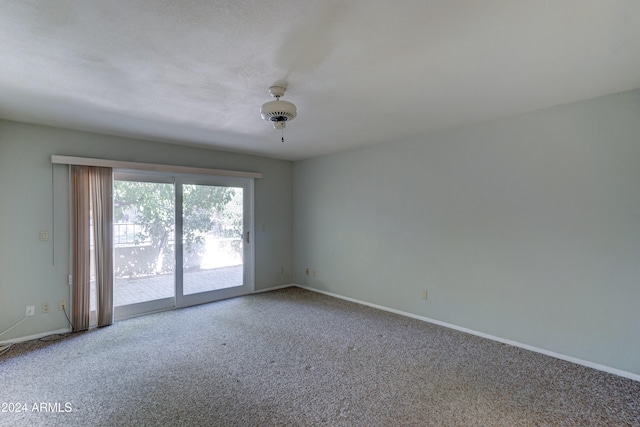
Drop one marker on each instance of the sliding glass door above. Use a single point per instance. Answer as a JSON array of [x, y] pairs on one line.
[[144, 243], [216, 239], [180, 240]]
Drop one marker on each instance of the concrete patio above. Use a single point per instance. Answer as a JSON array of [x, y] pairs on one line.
[[140, 289]]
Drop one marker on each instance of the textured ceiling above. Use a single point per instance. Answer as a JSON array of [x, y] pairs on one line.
[[361, 72]]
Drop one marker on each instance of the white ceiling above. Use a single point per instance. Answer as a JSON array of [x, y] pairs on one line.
[[361, 72]]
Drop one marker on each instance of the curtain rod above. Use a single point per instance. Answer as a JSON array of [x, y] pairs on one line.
[[117, 164]]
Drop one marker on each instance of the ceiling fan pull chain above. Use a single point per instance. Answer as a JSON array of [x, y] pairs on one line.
[[282, 135]]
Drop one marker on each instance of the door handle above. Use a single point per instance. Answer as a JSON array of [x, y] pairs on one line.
[[248, 240]]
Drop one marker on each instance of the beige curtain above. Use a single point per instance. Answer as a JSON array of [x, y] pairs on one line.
[[92, 199], [81, 241]]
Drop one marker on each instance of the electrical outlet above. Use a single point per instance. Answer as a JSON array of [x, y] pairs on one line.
[[306, 271], [424, 294], [31, 310], [62, 305], [45, 307]]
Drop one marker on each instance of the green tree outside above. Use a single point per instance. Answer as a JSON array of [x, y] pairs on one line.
[[206, 209]]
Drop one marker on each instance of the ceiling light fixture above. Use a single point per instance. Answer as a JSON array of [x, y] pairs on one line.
[[278, 112]]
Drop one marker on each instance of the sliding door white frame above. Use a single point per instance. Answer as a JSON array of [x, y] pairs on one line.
[[248, 283], [180, 300], [160, 304]]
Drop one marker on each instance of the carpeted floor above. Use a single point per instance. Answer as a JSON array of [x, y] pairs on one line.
[[293, 357]]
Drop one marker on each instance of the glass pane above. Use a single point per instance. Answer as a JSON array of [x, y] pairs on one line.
[[144, 244], [212, 238]]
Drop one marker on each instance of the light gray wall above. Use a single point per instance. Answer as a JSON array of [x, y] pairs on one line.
[[526, 228], [32, 272]]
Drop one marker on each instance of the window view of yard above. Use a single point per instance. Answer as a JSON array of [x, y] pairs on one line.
[[144, 240]]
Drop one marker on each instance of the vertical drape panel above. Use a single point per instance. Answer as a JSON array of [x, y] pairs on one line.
[[101, 182], [92, 197], [81, 241]]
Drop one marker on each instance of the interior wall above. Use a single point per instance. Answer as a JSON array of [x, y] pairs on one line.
[[35, 197], [526, 228]]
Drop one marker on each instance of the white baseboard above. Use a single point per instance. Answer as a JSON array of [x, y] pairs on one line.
[[274, 288], [586, 363], [35, 336]]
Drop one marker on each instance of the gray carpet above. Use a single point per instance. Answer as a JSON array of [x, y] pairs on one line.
[[293, 357]]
